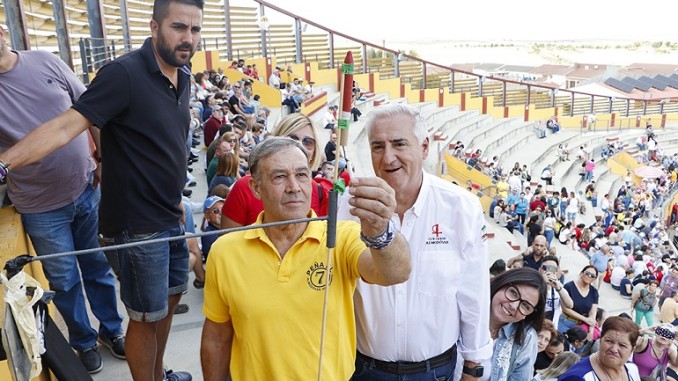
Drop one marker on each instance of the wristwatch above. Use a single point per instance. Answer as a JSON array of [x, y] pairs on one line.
[[381, 241], [476, 371]]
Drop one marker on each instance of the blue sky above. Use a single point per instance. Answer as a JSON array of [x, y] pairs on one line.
[[490, 20]]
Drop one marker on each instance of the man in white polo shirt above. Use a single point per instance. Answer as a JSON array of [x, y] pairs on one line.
[[417, 328]]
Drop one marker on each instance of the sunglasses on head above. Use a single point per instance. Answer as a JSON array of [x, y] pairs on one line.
[[307, 142]]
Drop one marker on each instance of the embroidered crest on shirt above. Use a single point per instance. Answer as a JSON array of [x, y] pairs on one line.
[[316, 276], [437, 236]]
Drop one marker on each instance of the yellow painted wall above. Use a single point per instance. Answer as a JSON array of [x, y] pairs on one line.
[[451, 99], [474, 103], [541, 114], [411, 95], [622, 162], [323, 76], [297, 72], [458, 169], [390, 86], [362, 79], [431, 95], [570, 121], [269, 96], [485, 200], [14, 242], [306, 109], [496, 112], [616, 167], [516, 111], [199, 61]]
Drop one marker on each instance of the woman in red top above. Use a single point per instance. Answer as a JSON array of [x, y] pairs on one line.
[[242, 208]]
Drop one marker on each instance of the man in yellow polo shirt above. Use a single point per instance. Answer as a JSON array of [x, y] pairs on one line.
[[264, 286]]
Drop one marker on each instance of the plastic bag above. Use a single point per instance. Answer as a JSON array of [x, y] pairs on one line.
[[21, 306]]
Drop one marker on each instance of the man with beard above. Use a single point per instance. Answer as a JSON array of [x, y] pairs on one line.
[[533, 256], [130, 101]]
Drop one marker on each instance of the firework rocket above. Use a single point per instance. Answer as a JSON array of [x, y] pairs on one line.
[[346, 98]]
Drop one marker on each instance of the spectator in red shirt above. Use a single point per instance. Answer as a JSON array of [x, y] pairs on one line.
[[213, 124], [578, 232], [344, 173], [241, 207], [537, 203]]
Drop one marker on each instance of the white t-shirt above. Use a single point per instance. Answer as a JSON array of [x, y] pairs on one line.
[[549, 223], [515, 183], [564, 235], [328, 118], [651, 145], [572, 205], [638, 268], [553, 304], [618, 273]]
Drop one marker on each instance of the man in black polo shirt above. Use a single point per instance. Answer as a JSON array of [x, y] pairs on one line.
[[140, 103], [533, 256]]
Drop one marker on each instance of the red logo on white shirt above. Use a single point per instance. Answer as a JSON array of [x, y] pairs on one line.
[[437, 236], [435, 230]]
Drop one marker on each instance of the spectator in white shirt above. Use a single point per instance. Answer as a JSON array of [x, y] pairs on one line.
[[443, 309], [274, 79]]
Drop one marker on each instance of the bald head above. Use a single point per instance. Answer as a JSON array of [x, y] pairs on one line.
[[539, 245]]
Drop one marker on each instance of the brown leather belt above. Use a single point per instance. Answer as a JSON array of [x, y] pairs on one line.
[[407, 367]]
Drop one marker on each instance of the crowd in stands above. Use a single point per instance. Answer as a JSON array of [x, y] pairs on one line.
[[628, 249], [293, 92]]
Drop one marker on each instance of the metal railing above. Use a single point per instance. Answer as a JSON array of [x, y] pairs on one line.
[[292, 46], [571, 102]]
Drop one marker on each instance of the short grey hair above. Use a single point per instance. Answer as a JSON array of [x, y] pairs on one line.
[[268, 147], [419, 125]]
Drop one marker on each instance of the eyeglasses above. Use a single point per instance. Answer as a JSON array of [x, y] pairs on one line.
[[216, 211], [590, 275], [231, 140], [549, 268], [307, 141], [513, 295]]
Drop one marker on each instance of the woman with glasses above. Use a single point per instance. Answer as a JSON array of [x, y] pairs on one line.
[[517, 305], [585, 302], [242, 208]]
